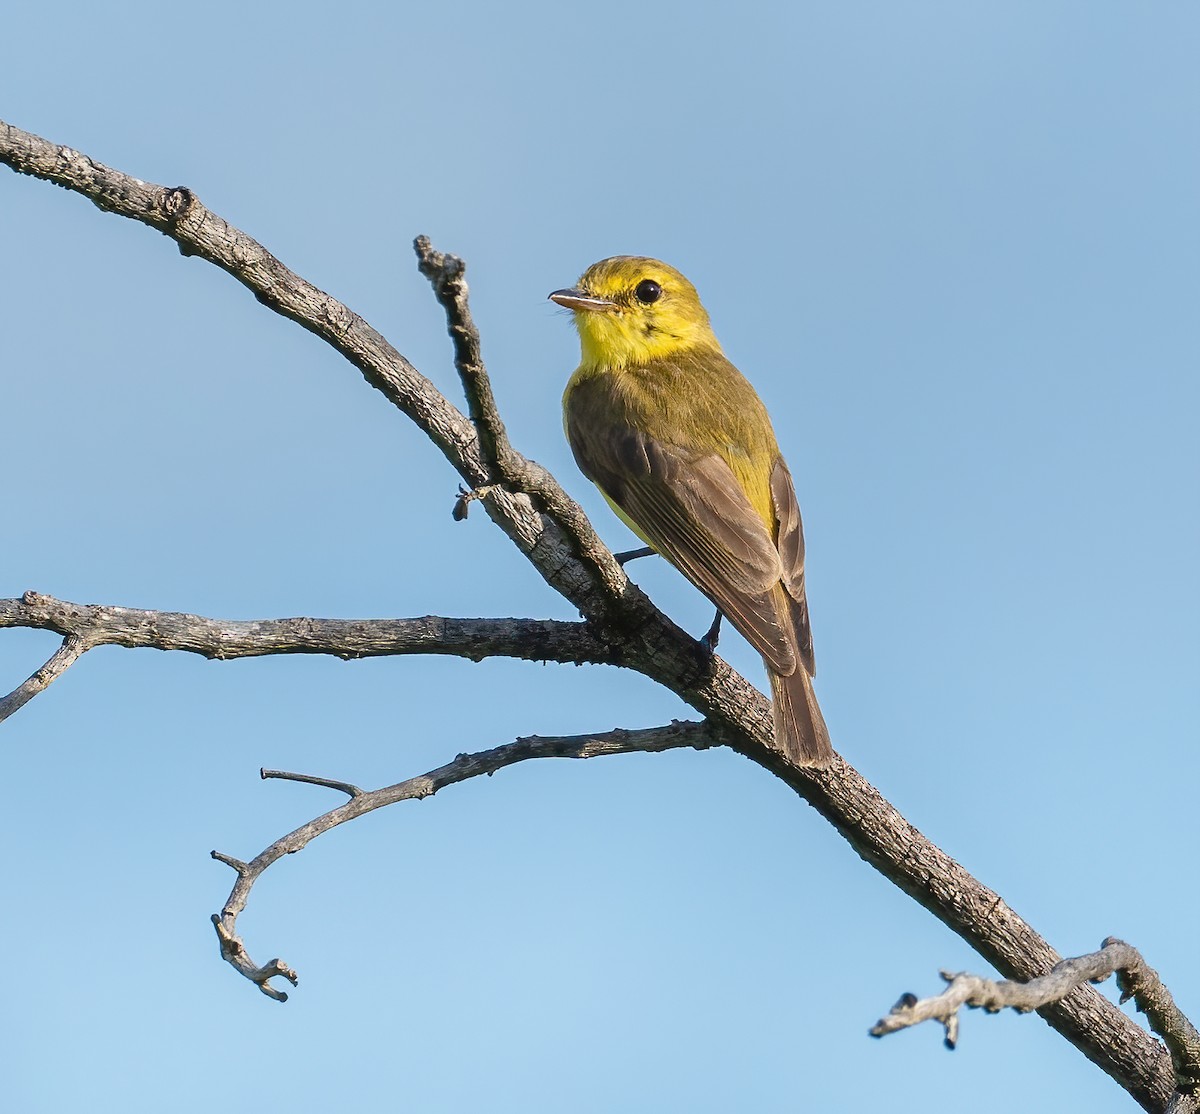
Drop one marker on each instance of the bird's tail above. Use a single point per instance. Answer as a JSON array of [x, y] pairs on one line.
[[800, 730]]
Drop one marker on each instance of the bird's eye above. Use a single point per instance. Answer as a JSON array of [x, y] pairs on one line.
[[647, 291]]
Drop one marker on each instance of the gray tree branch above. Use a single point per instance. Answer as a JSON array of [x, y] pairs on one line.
[[448, 276], [545, 524], [1135, 978], [507, 467], [73, 647], [88, 625], [463, 768]]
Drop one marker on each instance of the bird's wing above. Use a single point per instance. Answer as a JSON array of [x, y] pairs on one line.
[[691, 508], [791, 555]]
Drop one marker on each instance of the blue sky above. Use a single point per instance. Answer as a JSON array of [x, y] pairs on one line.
[[955, 248]]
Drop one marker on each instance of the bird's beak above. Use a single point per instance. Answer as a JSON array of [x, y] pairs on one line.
[[581, 300]]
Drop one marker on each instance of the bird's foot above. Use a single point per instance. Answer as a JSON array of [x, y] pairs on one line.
[[713, 635], [627, 555]]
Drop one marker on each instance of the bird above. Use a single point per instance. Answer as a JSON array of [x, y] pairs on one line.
[[682, 448]]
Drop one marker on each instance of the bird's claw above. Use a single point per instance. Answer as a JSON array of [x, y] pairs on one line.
[[713, 635]]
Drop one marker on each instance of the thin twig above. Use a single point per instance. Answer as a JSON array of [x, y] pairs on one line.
[[505, 466], [464, 767], [976, 992], [1136, 979], [73, 647], [448, 276], [312, 779]]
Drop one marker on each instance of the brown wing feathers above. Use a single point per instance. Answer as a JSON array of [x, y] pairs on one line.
[[689, 505], [692, 510]]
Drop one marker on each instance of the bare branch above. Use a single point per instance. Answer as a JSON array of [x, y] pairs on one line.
[[447, 274], [73, 647], [464, 767], [311, 779], [977, 992], [234, 953], [476, 639], [177, 213], [1136, 979]]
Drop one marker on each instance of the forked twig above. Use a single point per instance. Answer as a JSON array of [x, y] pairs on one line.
[[466, 766], [1136, 979]]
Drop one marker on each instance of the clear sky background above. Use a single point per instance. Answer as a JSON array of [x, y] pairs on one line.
[[955, 247]]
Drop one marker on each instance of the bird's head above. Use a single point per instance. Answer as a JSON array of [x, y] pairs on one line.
[[630, 310]]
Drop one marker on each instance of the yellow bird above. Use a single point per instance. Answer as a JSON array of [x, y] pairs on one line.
[[680, 445]]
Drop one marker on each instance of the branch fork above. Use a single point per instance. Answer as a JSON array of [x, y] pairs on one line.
[[1136, 980], [463, 768]]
